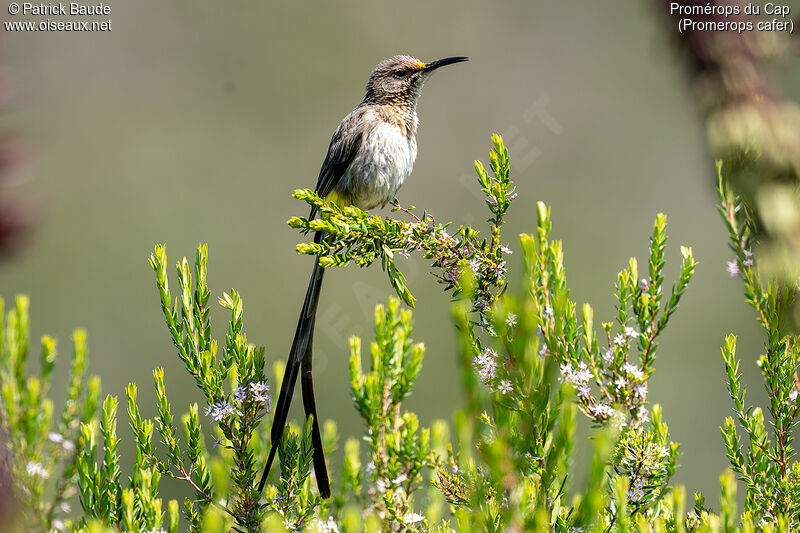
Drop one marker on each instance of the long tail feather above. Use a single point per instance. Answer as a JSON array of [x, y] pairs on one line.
[[306, 380], [300, 350]]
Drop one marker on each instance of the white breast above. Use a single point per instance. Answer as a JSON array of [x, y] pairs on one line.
[[383, 163]]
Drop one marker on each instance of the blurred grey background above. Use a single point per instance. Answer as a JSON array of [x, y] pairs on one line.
[[194, 121]]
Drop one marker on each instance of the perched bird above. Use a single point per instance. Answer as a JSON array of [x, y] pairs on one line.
[[370, 156]]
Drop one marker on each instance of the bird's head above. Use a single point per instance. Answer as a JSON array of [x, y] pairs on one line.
[[399, 79]]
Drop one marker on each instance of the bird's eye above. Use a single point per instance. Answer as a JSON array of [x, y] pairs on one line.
[[400, 73]]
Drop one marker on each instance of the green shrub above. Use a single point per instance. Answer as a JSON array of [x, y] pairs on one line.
[[531, 363]]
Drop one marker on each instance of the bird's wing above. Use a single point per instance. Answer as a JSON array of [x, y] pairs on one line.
[[344, 146]]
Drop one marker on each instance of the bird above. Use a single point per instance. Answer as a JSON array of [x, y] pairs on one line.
[[370, 155]]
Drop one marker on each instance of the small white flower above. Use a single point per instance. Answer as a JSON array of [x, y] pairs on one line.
[[636, 490], [635, 495], [380, 485], [58, 525], [487, 373], [486, 365], [55, 438], [566, 373], [793, 395], [399, 479], [511, 320], [644, 284], [486, 358], [640, 390], [413, 518], [633, 371], [582, 375], [505, 250], [260, 391], [608, 357], [220, 411], [325, 527], [603, 409], [621, 382], [331, 526], [583, 390], [505, 387], [548, 311], [404, 253], [68, 446], [619, 340], [733, 268], [619, 420], [65, 507], [36, 469], [240, 392], [630, 332]]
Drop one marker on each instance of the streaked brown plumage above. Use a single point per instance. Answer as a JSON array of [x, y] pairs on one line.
[[370, 155]]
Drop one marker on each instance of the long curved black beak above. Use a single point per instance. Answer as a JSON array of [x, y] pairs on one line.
[[433, 65]]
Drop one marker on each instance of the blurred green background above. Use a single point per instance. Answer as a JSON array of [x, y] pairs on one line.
[[194, 120]]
